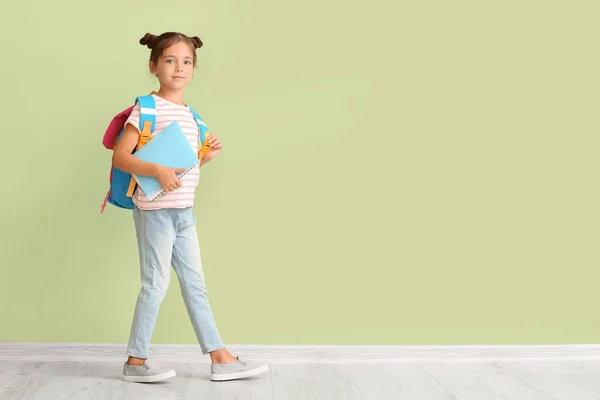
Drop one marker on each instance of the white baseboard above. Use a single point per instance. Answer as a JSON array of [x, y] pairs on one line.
[[305, 354]]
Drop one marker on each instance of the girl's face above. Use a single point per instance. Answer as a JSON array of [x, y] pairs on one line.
[[175, 66]]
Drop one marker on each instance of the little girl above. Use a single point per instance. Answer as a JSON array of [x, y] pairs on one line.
[[165, 227]]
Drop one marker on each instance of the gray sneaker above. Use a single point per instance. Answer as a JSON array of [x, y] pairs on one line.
[[145, 373], [236, 370]]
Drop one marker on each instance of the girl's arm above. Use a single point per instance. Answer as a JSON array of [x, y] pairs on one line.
[[125, 161]]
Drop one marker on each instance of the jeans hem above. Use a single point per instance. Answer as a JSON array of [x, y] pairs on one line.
[[209, 349]]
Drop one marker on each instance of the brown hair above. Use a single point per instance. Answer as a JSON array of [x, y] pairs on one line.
[[159, 43]]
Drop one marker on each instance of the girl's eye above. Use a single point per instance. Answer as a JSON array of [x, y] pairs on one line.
[[169, 61], [188, 62]]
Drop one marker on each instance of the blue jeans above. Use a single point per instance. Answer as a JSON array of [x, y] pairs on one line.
[[168, 237]]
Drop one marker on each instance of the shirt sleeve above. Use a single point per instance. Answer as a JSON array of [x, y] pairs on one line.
[[134, 117]]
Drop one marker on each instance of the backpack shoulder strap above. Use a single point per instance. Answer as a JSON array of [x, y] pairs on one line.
[[202, 134], [147, 115], [202, 128], [147, 125]]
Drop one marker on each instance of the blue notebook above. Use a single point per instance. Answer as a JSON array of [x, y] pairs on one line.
[[169, 148]]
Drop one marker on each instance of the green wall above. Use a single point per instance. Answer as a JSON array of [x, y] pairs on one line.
[[392, 172]]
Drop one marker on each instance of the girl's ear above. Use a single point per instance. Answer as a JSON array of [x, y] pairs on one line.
[[152, 68]]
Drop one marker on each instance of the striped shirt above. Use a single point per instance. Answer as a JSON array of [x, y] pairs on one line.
[[166, 113]]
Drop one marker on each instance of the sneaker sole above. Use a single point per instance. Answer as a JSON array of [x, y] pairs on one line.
[[239, 375], [148, 379]]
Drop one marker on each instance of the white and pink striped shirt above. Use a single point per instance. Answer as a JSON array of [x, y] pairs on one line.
[[167, 112]]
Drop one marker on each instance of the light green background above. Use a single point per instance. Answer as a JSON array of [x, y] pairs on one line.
[[392, 172]]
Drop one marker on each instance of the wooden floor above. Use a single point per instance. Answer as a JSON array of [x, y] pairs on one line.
[[517, 380]]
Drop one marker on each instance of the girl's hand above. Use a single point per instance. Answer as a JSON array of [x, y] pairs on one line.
[[215, 146], [167, 178]]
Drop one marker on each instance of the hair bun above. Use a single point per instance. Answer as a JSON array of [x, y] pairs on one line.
[[148, 40], [196, 41]]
